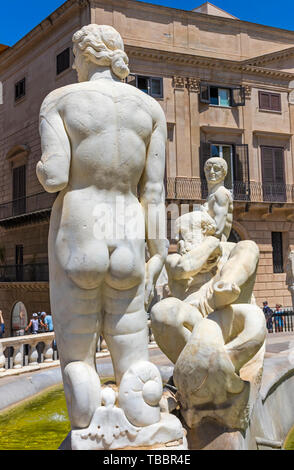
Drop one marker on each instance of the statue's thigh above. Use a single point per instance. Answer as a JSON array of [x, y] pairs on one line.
[[77, 316]]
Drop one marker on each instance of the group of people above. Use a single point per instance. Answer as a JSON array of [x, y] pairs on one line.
[[40, 323], [275, 318]]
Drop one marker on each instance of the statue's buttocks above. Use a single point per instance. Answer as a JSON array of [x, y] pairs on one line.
[[109, 126]]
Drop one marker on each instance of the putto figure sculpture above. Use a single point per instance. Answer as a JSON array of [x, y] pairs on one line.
[[101, 139], [211, 328]]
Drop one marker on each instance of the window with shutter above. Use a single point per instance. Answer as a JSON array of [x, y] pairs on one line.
[[63, 61], [220, 96], [153, 86], [241, 172], [238, 96], [20, 89], [277, 245], [269, 101], [19, 190], [273, 174], [205, 154], [204, 93]]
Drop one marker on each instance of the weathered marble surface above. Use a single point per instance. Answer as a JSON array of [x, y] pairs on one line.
[[211, 328], [101, 140]]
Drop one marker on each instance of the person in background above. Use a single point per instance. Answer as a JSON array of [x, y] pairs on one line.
[[279, 318], [268, 313], [2, 325], [34, 324], [47, 321]]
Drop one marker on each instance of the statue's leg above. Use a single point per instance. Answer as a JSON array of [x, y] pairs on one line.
[[125, 327], [126, 334], [172, 323], [237, 275], [77, 325]]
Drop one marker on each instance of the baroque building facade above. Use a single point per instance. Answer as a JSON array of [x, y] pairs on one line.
[[226, 87]]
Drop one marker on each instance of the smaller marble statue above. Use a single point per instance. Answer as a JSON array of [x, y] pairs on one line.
[[211, 328]]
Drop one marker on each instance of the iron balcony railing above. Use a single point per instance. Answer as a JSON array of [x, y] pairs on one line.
[[27, 205], [37, 272], [195, 189]]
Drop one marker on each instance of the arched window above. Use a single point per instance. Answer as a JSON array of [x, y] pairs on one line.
[[19, 319]]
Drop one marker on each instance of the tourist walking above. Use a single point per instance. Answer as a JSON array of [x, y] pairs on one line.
[[268, 313], [279, 318], [33, 325], [2, 325]]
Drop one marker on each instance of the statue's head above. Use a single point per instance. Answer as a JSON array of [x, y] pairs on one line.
[[101, 45], [215, 170], [193, 227]]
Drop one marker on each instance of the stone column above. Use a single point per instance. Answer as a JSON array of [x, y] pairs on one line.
[[193, 85]]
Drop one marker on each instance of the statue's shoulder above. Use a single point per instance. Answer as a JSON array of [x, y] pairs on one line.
[[223, 194], [149, 102], [55, 97]]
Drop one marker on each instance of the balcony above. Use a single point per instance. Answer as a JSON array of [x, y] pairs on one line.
[[25, 209], [37, 272], [196, 190]]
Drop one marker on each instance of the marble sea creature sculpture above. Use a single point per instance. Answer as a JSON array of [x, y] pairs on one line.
[[210, 327]]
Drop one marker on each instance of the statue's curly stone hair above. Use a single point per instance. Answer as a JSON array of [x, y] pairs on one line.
[[103, 45]]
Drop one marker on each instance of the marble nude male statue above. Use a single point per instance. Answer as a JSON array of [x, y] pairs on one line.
[[210, 327], [101, 139]]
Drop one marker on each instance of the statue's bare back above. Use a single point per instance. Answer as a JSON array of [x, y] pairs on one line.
[[101, 171]]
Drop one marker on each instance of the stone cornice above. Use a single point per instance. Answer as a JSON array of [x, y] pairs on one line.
[[271, 57], [207, 62]]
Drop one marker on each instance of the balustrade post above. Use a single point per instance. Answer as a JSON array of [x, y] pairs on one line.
[[48, 350], [17, 356], [2, 359], [33, 353]]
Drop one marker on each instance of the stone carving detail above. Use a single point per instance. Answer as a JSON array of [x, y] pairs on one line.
[[109, 422], [211, 328], [193, 84], [248, 91], [99, 283], [179, 82]]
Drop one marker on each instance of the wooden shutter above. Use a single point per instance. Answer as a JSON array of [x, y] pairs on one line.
[[264, 100], [204, 93], [19, 190], [275, 102], [277, 244], [269, 101], [273, 174], [238, 96], [205, 154], [241, 172], [63, 61]]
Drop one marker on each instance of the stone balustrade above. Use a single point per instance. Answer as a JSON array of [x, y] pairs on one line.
[[15, 355]]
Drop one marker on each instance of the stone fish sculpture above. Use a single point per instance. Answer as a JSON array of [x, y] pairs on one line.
[[211, 328], [101, 139]]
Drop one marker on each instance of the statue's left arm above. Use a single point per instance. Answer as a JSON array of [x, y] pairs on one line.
[[221, 208], [152, 198], [53, 168]]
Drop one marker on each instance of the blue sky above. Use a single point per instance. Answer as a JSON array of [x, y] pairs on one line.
[[18, 17]]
